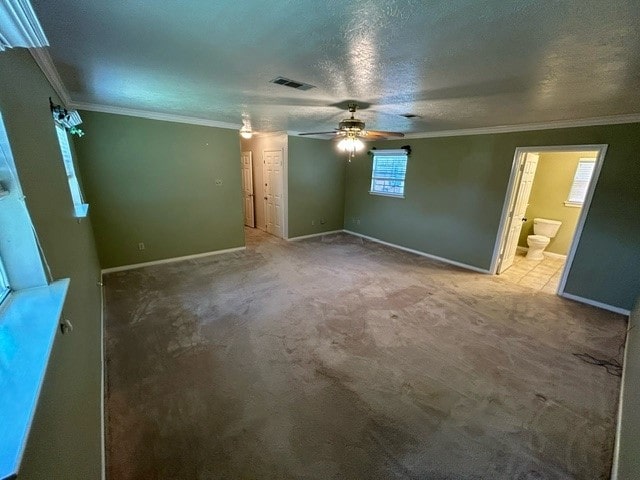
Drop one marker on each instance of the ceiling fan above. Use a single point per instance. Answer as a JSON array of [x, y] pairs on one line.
[[351, 130]]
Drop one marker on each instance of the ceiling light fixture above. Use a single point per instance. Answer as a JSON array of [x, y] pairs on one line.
[[351, 144], [245, 132]]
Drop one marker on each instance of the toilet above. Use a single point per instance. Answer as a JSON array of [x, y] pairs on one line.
[[544, 230]]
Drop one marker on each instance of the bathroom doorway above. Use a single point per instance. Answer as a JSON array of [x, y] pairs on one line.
[[548, 186]]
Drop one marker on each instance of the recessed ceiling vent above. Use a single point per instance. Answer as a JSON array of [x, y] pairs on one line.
[[287, 82]]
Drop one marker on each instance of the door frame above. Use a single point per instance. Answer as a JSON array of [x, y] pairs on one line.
[[518, 158], [253, 190], [285, 189], [516, 196]]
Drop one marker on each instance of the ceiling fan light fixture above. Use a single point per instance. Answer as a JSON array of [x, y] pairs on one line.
[[350, 145], [245, 132]]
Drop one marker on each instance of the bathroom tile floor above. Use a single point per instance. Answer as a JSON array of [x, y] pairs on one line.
[[542, 275]]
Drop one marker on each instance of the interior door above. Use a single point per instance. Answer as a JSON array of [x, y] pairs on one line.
[[517, 209], [273, 192], [247, 189]]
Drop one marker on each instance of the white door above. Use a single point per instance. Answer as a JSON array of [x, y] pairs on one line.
[[273, 187], [247, 189], [517, 209]]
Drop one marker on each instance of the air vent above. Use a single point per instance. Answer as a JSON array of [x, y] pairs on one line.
[[287, 82]]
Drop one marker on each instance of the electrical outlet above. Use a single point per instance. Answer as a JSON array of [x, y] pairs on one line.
[[218, 182], [141, 246], [322, 221], [313, 222], [358, 221]]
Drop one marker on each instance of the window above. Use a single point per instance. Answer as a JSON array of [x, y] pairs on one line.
[[581, 180], [388, 172], [4, 283], [79, 206], [29, 314]]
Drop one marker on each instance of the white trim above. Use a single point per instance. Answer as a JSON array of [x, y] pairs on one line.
[[170, 260], [304, 237], [389, 152], [517, 157], [164, 117], [21, 27], [593, 303], [103, 451], [285, 189], [526, 127], [385, 194], [418, 252], [615, 464], [45, 62], [284, 177], [554, 255], [602, 151], [504, 215], [546, 254]]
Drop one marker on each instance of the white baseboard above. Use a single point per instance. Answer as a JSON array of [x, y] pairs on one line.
[[418, 252], [615, 466], [546, 254], [593, 303], [170, 260], [303, 237], [555, 255]]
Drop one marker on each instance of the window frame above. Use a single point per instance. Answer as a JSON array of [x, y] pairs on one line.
[[5, 288], [80, 207], [573, 202], [376, 176]]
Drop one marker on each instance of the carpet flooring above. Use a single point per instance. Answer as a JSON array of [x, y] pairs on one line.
[[339, 358]]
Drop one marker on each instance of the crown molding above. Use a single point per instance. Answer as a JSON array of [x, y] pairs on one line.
[[45, 62], [164, 117], [526, 127], [20, 26]]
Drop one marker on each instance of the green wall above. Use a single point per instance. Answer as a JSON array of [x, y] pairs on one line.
[[455, 191], [551, 186], [154, 182], [65, 437], [626, 461], [316, 186]]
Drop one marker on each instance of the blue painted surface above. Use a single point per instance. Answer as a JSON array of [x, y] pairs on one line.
[[28, 324]]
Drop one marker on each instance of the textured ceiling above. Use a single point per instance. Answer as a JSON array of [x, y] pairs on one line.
[[457, 64]]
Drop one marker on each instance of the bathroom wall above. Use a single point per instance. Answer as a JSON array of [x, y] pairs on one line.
[[550, 190]]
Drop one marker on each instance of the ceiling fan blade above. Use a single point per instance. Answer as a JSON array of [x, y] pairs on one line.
[[319, 133], [383, 134]]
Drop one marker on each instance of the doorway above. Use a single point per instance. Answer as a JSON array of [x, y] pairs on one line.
[[246, 162], [274, 192], [548, 186]]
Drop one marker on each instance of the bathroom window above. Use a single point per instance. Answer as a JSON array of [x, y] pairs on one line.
[[388, 173], [581, 180], [79, 205]]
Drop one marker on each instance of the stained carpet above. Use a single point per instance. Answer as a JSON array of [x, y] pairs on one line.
[[338, 358]]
